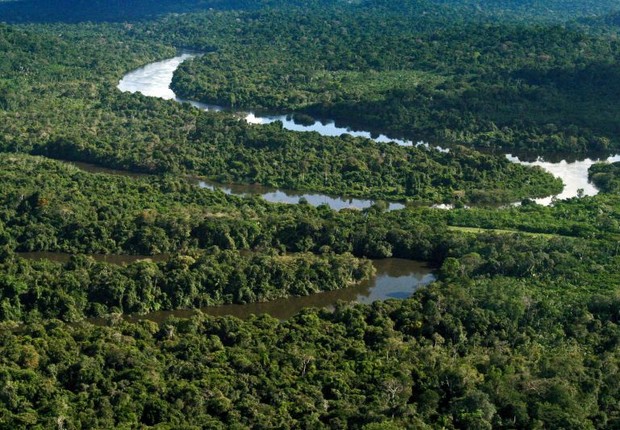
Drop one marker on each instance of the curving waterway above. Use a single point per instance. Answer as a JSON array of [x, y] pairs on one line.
[[154, 80], [277, 195], [574, 174], [395, 279]]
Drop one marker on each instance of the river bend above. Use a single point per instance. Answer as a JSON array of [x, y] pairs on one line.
[[154, 80]]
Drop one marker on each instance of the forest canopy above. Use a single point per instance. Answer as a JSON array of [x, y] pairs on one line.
[[520, 328]]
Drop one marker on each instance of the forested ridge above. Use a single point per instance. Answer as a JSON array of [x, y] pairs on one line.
[[520, 328]]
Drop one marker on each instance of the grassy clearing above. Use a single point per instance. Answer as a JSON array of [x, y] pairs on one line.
[[478, 230]]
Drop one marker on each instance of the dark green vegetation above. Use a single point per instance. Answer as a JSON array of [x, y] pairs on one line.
[[512, 86], [51, 206], [606, 176], [83, 288], [588, 217], [521, 329], [75, 11], [43, 11], [88, 120], [476, 355]]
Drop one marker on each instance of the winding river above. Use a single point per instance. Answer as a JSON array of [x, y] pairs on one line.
[[395, 279], [154, 80], [574, 174]]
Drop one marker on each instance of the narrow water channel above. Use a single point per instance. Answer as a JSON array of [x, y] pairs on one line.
[[276, 195], [270, 194], [154, 80], [395, 279]]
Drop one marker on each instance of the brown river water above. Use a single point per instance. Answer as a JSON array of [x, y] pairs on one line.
[[395, 279]]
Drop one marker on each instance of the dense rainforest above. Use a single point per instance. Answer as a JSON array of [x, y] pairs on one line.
[[520, 328], [606, 176], [512, 86], [84, 121]]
